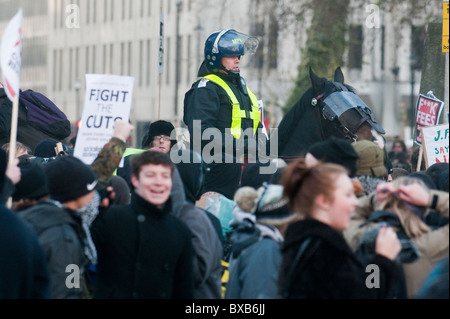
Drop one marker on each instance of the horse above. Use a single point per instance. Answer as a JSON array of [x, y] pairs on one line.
[[327, 108]]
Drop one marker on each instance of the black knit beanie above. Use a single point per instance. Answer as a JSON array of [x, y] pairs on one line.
[[336, 150], [69, 178], [33, 182]]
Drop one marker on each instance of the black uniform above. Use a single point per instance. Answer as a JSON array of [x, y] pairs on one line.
[[210, 103]]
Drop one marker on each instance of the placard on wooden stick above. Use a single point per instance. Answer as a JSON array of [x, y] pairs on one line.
[[435, 143]]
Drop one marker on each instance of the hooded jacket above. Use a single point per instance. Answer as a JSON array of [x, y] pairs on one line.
[[254, 263], [61, 236], [207, 245]]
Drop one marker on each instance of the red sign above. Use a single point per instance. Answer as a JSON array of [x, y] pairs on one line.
[[427, 113]]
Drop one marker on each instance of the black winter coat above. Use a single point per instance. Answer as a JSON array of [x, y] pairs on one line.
[[143, 252], [209, 103], [333, 270], [23, 266], [62, 238]]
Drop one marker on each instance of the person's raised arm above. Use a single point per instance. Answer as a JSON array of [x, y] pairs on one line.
[[110, 155]]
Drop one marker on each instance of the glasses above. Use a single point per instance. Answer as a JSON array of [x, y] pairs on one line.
[[158, 138]]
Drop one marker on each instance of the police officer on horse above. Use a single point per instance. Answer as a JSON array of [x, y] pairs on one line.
[[221, 112]]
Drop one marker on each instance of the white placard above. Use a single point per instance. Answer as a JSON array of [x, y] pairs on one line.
[[108, 98], [435, 144], [11, 55]]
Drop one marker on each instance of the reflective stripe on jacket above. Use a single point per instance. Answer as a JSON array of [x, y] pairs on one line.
[[237, 113]]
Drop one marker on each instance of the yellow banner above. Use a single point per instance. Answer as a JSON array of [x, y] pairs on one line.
[[445, 26]]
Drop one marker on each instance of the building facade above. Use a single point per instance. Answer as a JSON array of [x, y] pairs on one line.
[[122, 37]]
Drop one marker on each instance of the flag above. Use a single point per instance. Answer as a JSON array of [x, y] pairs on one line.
[[11, 55]]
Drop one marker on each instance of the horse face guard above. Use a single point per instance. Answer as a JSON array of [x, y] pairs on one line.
[[340, 107]]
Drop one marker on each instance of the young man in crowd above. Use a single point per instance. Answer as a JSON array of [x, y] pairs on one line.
[[143, 250]]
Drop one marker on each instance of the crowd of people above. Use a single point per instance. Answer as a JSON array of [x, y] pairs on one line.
[[346, 220]]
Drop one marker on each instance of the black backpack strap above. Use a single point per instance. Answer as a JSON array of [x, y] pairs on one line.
[[295, 265]]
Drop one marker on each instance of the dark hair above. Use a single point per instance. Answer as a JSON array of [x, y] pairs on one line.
[[302, 184], [150, 157], [405, 149]]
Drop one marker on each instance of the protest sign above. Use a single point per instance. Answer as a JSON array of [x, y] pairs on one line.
[[435, 144], [10, 64], [11, 55], [428, 110], [108, 99]]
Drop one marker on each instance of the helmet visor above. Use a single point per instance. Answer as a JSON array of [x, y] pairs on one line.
[[250, 43], [233, 43]]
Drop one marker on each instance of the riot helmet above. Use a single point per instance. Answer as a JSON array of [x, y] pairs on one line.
[[227, 42]]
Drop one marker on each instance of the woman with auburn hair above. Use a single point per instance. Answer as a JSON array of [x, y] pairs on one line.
[[317, 262]]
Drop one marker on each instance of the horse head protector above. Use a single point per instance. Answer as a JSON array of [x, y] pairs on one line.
[[344, 108]]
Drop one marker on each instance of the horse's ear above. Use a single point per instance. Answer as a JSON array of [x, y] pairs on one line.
[[338, 75], [316, 81]]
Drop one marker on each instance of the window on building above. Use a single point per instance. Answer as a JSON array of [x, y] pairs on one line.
[[88, 11], [62, 14], [70, 68], [55, 14], [122, 57], [167, 59], [141, 62], [147, 73], [77, 63], [130, 65], [382, 47], [418, 34], [112, 9], [257, 30], [111, 58], [104, 59], [105, 10], [355, 47], [273, 41], [60, 70], [130, 10], [87, 59], [94, 11], [143, 2], [94, 51], [188, 59], [55, 68]]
